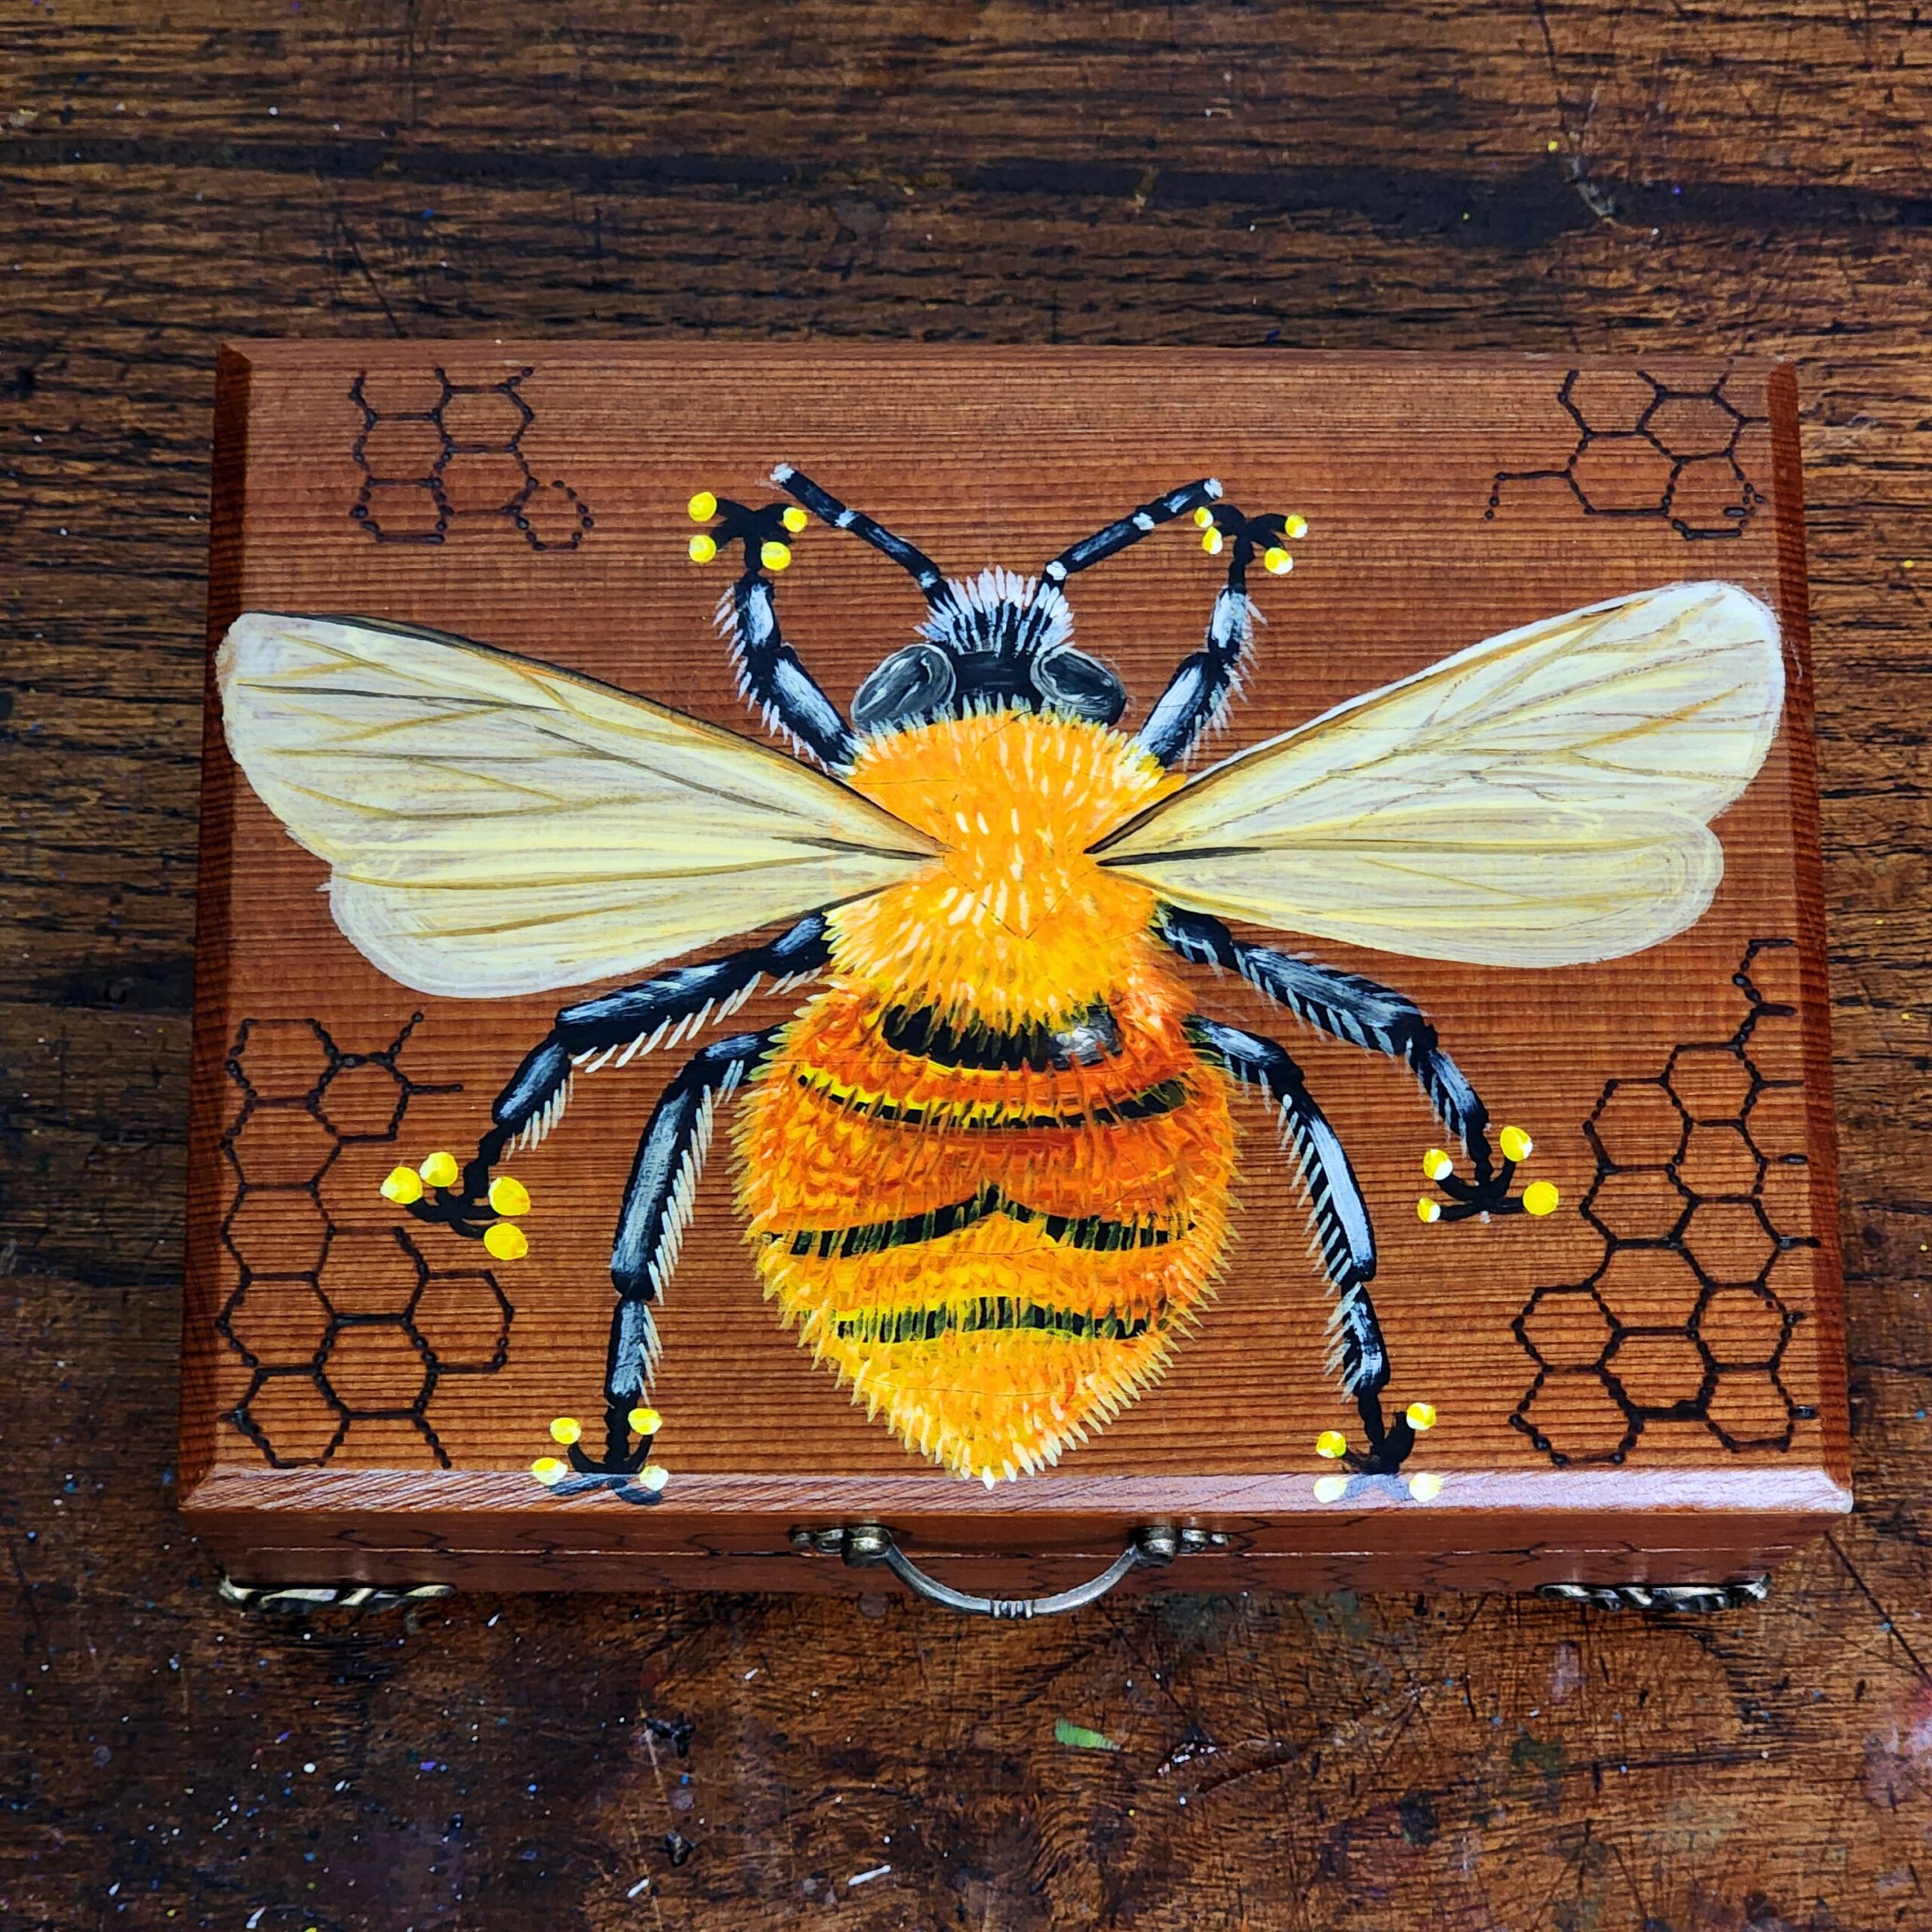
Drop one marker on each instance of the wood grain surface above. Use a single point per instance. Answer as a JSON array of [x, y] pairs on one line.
[[1574, 179]]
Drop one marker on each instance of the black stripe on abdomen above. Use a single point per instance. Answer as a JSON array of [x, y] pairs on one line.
[[1094, 1231], [987, 1313], [964, 1116], [925, 1033]]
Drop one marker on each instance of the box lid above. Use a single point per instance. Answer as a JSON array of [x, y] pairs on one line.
[[1647, 1379]]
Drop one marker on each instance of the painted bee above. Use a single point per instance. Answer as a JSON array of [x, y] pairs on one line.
[[986, 1170]]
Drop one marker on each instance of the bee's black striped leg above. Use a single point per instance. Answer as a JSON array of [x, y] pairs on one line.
[[1199, 689], [444, 1196], [1347, 1006], [1388, 1443], [772, 678], [625, 1470], [1359, 1355], [656, 1013], [657, 1199], [1471, 1200], [650, 1230]]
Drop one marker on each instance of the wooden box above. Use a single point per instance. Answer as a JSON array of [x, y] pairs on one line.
[[1050, 1217]]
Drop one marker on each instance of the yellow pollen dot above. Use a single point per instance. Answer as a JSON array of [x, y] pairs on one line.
[[1550, 147], [1330, 1489], [507, 1241], [1436, 1163], [508, 1196], [1203, 517], [1332, 1443], [439, 1169], [1422, 1416], [654, 1476], [1427, 1210], [1516, 1144], [403, 1186], [1278, 560], [566, 1429], [547, 1470], [646, 1422], [1426, 1486], [773, 555], [1540, 1198], [1211, 542], [702, 507], [702, 548], [1297, 526], [794, 519]]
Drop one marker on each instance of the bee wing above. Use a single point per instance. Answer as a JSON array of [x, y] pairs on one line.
[[1540, 799], [496, 825]]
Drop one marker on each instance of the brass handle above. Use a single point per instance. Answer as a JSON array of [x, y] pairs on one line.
[[864, 1545]]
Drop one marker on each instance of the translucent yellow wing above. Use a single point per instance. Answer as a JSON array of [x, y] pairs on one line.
[[496, 825], [1540, 799]]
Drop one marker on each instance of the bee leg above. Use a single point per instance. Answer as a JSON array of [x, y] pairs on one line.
[[1200, 688], [772, 677], [1388, 1446], [657, 1012], [1347, 1006], [650, 1230], [1358, 1356]]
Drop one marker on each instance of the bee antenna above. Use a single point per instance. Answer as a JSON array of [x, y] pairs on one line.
[[1114, 537], [823, 505]]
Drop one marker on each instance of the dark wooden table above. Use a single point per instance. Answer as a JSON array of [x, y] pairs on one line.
[[1695, 174]]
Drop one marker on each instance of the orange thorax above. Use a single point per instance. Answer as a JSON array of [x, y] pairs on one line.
[[1014, 921]]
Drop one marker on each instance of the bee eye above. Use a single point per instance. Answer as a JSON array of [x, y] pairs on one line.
[[911, 683], [1069, 680]]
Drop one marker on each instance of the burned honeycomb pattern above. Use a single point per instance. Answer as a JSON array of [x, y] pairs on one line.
[[345, 1330], [1700, 1180], [1646, 450], [434, 452]]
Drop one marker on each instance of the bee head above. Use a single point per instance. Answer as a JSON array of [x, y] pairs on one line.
[[996, 641]]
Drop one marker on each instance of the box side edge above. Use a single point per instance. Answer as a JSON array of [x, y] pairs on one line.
[[1794, 616], [214, 884]]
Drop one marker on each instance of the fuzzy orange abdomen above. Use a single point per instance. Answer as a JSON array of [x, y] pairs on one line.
[[994, 1239]]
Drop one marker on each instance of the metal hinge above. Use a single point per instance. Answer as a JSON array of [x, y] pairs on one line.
[[299, 1599], [1697, 1597]]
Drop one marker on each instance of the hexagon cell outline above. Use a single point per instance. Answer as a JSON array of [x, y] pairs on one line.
[[424, 500], [1683, 461], [292, 1410], [1641, 1127]]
